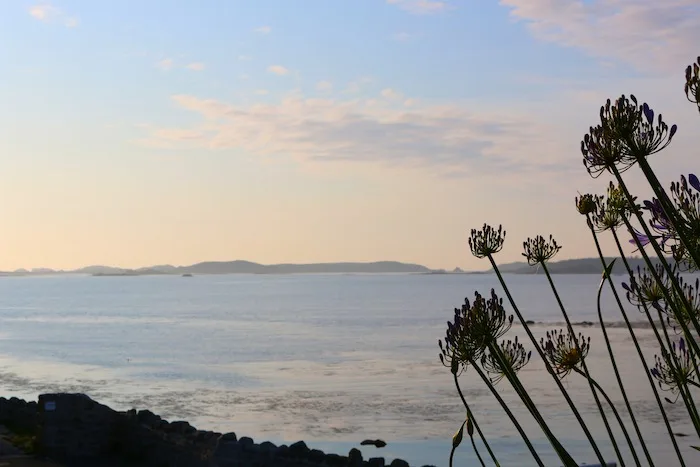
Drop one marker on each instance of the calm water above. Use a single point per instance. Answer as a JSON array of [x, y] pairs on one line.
[[328, 359]]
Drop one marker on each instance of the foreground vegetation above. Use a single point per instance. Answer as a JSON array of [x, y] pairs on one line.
[[663, 228]]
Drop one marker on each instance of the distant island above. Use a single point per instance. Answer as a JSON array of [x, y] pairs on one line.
[[569, 266]]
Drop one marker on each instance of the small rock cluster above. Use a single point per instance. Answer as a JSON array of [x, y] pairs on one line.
[[73, 426]]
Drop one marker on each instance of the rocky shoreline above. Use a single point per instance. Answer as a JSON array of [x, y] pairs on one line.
[[75, 430]]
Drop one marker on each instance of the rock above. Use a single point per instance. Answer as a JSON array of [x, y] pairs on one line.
[[148, 418], [316, 455], [246, 443], [229, 437], [267, 448], [282, 450], [182, 428], [376, 462], [334, 460], [355, 458], [373, 442], [399, 463], [298, 449]]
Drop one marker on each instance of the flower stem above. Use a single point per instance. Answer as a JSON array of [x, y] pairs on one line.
[[641, 355], [585, 368], [609, 347], [509, 413], [476, 425], [662, 259], [669, 209], [561, 387]]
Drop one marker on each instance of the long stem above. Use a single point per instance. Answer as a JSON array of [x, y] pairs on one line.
[[641, 355], [609, 347], [669, 209], [546, 362], [476, 425], [510, 414], [477, 452], [585, 368], [525, 397], [662, 259], [612, 407]]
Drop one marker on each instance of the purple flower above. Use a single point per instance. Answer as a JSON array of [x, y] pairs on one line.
[[640, 238], [694, 182]]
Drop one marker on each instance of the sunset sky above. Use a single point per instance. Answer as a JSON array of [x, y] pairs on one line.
[[144, 132]]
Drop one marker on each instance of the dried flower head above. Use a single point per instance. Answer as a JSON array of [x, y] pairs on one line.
[[645, 289], [510, 355], [564, 351], [586, 204], [611, 210], [487, 241], [670, 376], [692, 83], [601, 152], [539, 250], [475, 325], [688, 306]]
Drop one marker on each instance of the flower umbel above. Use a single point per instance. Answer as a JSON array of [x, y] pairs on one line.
[[539, 250], [669, 376], [611, 210], [644, 288], [513, 357], [475, 325], [487, 241], [692, 83], [586, 204], [564, 351]]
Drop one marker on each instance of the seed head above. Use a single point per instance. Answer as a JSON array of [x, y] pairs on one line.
[[487, 241], [564, 351], [539, 250], [510, 355]]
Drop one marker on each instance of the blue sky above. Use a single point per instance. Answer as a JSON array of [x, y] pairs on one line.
[[147, 132]]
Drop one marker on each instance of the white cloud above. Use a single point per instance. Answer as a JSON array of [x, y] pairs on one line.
[[420, 7], [450, 139], [47, 13], [648, 34], [195, 66], [401, 37], [263, 30], [391, 94], [165, 64], [324, 86], [278, 70]]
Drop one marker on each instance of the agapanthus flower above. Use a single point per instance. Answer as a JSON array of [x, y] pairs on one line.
[[601, 152], [685, 196], [510, 355], [611, 210], [586, 204], [692, 83], [487, 241], [689, 305], [539, 251], [643, 288], [564, 351], [670, 376], [650, 136], [475, 325]]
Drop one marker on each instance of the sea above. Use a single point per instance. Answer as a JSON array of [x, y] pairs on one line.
[[328, 359]]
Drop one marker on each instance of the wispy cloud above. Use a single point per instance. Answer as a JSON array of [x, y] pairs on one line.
[[324, 86], [420, 7], [263, 30], [391, 94], [446, 138], [165, 64], [639, 32], [48, 13], [278, 70], [195, 66]]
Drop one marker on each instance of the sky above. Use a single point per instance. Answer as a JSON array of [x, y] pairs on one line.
[[135, 133]]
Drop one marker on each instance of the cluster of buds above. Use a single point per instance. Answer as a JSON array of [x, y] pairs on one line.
[[692, 83], [538, 250], [508, 357], [475, 326], [487, 241], [612, 210], [564, 351], [674, 371], [627, 133], [643, 288]]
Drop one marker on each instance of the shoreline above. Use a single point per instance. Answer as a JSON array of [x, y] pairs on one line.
[[73, 428]]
